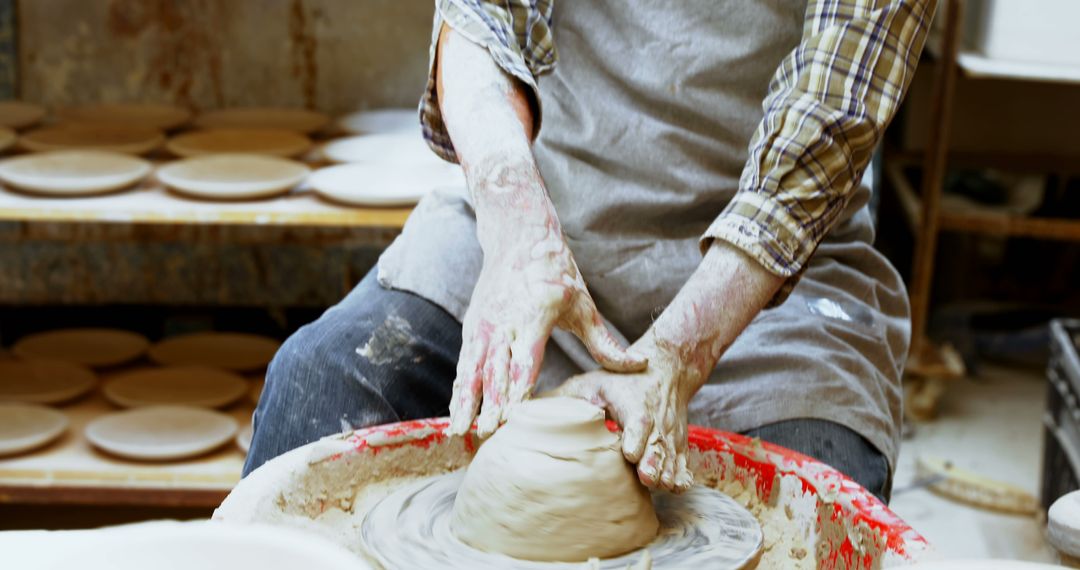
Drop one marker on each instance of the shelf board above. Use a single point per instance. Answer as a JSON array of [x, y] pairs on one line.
[[152, 204], [980, 222], [979, 66], [976, 65]]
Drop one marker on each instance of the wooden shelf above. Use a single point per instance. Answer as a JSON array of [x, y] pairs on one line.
[[71, 471], [979, 222], [152, 204], [975, 65]]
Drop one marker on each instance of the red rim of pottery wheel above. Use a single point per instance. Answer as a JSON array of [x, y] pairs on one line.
[[756, 459]]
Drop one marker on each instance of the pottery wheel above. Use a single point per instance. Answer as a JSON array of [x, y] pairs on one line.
[[703, 527]]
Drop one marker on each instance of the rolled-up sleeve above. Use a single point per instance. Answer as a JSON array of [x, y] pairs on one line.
[[517, 34], [826, 109]]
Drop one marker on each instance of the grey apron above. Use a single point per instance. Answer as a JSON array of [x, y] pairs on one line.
[[647, 119]]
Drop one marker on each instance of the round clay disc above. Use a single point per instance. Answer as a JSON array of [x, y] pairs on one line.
[[243, 437], [387, 149], [24, 427], [149, 115], [94, 347], [161, 432], [372, 184], [19, 114], [230, 351], [125, 139], [197, 386], [292, 119], [273, 142], [43, 381], [73, 172], [380, 121], [232, 176]]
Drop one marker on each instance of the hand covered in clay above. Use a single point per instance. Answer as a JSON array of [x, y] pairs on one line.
[[529, 284], [651, 407]]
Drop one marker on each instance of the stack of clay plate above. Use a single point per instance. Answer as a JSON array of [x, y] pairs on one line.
[[232, 176], [73, 172], [126, 139], [286, 118], [25, 385], [43, 381], [197, 386], [92, 347], [161, 432], [171, 416], [274, 142]]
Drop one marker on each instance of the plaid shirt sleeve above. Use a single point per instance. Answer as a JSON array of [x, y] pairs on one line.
[[826, 108], [517, 34]]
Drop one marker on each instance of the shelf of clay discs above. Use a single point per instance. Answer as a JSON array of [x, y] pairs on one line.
[[150, 203], [71, 471]]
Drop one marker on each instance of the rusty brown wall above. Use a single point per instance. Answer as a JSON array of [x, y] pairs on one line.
[[334, 55]]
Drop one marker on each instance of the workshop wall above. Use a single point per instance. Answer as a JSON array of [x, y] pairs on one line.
[[333, 55]]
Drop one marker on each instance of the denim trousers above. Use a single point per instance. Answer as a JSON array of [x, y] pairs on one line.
[[382, 356]]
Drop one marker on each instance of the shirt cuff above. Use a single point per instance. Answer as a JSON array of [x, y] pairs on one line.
[[761, 228], [508, 56]]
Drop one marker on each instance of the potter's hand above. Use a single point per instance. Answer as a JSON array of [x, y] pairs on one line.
[[651, 406], [529, 284], [683, 347]]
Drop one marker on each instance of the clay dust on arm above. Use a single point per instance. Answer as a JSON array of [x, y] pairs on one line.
[[529, 282]]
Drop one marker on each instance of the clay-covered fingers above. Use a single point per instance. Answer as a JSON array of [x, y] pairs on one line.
[[469, 383], [585, 322], [496, 386], [526, 356]]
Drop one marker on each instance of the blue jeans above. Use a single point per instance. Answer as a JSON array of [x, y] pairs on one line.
[[383, 356]]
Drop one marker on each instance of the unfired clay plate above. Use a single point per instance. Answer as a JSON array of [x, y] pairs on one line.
[[243, 437], [293, 119], [43, 381], [380, 121], [371, 184], [127, 139], [151, 115], [73, 172], [230, 351], [93, 347], [161, 432], [197, 386], [19, 114], [24, 427], [273, 142], [232, 176], [396, 149]]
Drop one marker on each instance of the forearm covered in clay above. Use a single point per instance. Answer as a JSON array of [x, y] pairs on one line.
[[719, 300], [489, 117]]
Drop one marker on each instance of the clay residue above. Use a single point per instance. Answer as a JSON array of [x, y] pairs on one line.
[[391, 342]]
